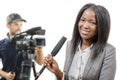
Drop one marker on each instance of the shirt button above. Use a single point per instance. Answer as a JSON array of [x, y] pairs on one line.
[[80, 78], [78, 49]]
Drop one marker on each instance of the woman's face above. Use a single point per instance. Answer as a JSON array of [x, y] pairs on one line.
[[87, 25]]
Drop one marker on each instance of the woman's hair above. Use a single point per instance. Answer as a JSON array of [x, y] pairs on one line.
[[103, 28]]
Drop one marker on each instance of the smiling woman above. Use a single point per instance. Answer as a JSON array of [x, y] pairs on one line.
[[88, 55]]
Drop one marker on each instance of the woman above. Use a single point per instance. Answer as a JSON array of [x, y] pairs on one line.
[[88, 55]]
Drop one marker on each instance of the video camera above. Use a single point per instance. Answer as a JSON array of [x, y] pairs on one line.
[[25, 47], [23, 43]]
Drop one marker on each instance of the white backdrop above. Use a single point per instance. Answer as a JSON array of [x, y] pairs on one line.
[[57, 17]]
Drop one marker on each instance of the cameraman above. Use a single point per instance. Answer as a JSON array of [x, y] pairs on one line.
[[8, 50]]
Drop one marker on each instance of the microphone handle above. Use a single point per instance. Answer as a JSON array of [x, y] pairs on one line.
[[42, 69]]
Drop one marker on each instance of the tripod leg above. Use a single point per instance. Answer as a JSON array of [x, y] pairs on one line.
[[33, 65]]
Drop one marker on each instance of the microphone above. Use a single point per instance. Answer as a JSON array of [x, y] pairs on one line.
[[35, 31], [53, 53], [58, 46], [32, 30]]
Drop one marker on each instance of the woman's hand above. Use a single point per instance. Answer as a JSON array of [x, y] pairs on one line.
[[52, 66]]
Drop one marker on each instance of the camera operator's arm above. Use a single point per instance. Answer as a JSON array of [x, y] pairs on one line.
[[7, 76], [39, 55], [53, 67]]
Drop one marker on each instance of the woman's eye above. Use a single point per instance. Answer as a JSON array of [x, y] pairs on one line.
[[82, 20], [92, 22]]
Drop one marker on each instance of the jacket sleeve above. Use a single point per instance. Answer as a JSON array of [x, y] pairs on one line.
[[109, 64]]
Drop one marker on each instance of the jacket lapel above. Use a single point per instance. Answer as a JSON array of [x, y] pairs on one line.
[[70, 62], [88, 66]]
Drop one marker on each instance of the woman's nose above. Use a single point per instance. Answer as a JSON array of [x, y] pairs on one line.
[[86, 24]]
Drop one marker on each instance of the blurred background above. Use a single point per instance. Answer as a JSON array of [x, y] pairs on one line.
[[57, 17]]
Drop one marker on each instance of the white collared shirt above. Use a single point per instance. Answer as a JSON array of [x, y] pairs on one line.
[[78, 64]]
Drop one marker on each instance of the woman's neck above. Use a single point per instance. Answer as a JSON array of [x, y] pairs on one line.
[[85, 44]]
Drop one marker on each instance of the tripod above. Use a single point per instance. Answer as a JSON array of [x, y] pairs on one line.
[[26, 65], [25, 47]]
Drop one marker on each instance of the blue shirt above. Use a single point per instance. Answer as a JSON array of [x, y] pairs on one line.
[[8, 54]]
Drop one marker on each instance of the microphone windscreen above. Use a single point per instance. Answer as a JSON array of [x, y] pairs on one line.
[[39, 56], [58, 46], [32, 30]]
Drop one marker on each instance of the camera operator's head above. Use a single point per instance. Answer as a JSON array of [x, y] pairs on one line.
[[14, 23]]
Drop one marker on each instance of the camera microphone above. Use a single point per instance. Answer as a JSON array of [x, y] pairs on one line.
[[53, 53], [35, 31], [32, 30]]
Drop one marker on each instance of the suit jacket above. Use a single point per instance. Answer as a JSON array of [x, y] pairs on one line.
[[102, 67]]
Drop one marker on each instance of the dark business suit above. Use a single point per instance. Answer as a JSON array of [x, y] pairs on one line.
[[102, 67]]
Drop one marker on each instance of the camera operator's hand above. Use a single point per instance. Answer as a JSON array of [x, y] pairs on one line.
[[9, 76], [52, 66]]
